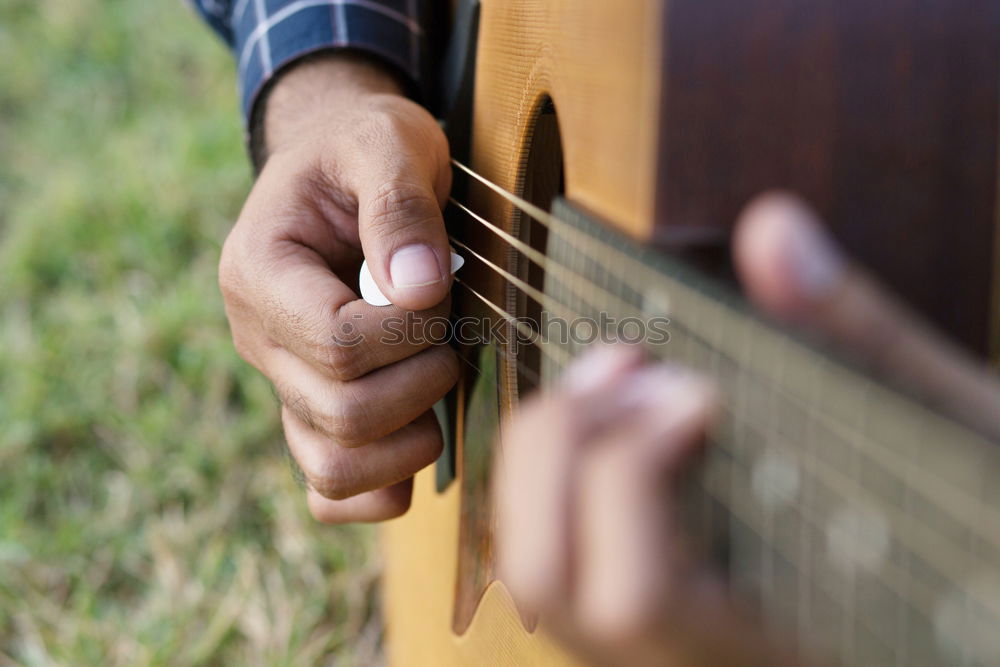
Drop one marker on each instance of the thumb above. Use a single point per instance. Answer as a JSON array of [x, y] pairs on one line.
[[402, 229]]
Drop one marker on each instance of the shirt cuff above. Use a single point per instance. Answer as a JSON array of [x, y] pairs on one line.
[[271, 35]]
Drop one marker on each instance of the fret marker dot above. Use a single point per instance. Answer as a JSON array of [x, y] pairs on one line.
[[858, 539], [966, 620], [655, 303], [775, 480]]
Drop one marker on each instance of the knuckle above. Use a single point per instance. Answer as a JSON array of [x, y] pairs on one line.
[[378, 122], [329, 484], [230, 276], [348, 422], [343, 362], [331, 477], [397, 205]]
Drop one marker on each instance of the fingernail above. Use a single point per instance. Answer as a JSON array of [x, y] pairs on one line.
[[414, 266], [664, 389], [813, 260], [597, 368], [648, 387]]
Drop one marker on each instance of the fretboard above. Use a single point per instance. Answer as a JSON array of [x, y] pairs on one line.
[[858, 520]]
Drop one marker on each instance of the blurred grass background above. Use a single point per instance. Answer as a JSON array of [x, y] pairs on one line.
[[147, 513]]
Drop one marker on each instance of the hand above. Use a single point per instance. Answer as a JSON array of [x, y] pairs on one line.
[[354, 170], [791, 270], [587, 529], [588, 536]]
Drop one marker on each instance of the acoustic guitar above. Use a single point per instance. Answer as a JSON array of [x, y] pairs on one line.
[[603, 150]]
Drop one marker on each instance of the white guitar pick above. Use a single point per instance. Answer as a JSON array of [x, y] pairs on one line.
[[373, 295]]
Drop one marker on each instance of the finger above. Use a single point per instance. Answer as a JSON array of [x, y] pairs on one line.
[[379, 505], [792, 270], [338, 473], [630, 555], [352, 414], [401, 187], [310, 311], [532, 482]]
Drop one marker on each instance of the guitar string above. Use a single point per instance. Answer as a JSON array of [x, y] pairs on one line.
[[846, 488], [566, 276], [530, 209], [530, 336], [946, 557], [520, 245], [823, 473], [807, 517], [550, 220], [827, 473], [900, 582], [509, 356], [537, 295]]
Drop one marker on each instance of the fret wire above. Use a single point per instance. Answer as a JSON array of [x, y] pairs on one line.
[[779, 364], [970, 556], [903, 620], [740, 442], [850, 634], [805, 545]]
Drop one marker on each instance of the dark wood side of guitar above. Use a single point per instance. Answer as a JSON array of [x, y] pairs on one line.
[[882, 113]]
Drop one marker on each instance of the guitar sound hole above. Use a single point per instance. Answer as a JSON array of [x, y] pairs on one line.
[[543, 182]]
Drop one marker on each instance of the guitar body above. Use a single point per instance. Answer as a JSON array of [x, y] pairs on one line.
[[599, 63], [661, 119]]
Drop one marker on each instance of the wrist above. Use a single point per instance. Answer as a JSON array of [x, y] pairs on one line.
[[312, 93]]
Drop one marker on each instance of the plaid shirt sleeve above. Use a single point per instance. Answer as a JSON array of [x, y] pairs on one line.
[[266, 35]]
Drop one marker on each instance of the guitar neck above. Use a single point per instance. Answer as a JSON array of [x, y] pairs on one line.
[[856, 518]]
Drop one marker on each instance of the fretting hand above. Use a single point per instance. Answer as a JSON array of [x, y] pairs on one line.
[[588, 534]]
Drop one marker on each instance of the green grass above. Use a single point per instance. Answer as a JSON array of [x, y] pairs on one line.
[[147, 513]]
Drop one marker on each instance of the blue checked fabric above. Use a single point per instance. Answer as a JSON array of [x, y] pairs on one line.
[[266, 35]]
